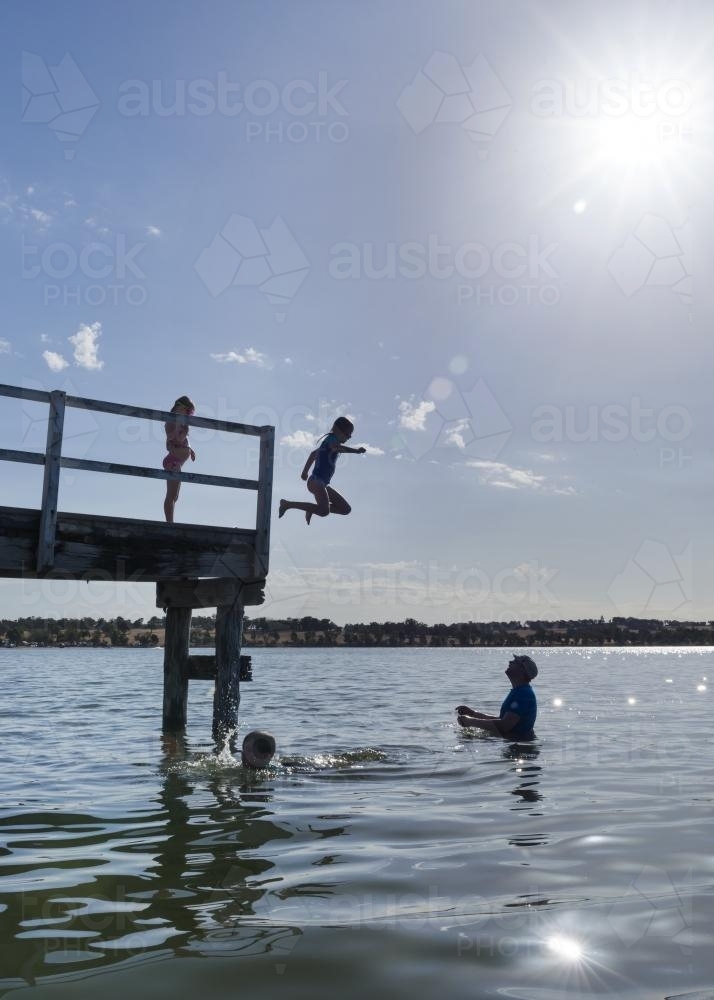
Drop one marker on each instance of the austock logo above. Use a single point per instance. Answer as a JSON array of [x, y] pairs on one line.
[[655, 581], [242, 255], [445, 93], [656, 255], [57, 96], [444, 416]]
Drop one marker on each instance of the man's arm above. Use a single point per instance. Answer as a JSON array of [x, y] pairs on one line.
[[500, 727], [465, 710], [507, 723]]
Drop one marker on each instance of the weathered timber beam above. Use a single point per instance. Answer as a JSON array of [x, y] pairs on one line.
[[263, 507], [116, 469], [50, 485], [226, 695], [30, 457], [20, 392], [178, 634], [208, 593], [19, 529], [202, 667], [108, 531], [124, 549], [146, 413], [139, 564]]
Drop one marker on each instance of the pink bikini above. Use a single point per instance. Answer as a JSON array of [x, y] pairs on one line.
[[172, 463]]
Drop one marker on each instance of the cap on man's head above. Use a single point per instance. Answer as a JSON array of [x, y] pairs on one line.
[[528, 665]]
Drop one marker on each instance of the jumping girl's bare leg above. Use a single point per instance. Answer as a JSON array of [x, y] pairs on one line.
[[338, 504], [296, 505], [321, 507]]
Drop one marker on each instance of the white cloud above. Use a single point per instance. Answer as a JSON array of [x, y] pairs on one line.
[[86, 347], [249, 357], [29, 189], [455, 433], [5, 346], [153, 231], [287, 361], [370, 449], [44, 339], [507, 477], [299, 440], [55, 362], [39, 216], [70, 203], [413, 418]]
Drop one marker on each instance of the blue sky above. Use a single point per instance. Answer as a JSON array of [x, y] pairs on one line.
[[534, 389]]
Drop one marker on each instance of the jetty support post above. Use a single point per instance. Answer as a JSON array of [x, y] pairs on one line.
[[50, 484], [230, 597], [226, 696], [176, 647]]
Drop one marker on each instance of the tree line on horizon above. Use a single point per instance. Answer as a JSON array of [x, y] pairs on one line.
[[311, 631]]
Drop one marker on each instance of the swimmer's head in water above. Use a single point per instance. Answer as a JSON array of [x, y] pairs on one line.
[[258, 749], [525, 664]]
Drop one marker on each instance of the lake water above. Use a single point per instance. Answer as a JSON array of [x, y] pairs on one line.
[[384, 853]]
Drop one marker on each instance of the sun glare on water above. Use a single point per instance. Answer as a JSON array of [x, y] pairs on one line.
[[564, 947]]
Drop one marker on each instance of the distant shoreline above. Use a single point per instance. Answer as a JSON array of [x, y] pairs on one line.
[[314, 633], [382, 645]]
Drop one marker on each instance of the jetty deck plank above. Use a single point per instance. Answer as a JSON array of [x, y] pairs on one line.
[[119, 548]]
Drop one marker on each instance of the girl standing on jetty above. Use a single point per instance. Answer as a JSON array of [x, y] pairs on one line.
[[328, 500], [179, 451]]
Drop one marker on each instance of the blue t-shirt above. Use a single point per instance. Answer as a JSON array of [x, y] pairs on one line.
[[522, 701], [326, 458]]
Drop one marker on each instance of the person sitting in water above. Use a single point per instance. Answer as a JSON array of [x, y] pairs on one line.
[[519, 708]]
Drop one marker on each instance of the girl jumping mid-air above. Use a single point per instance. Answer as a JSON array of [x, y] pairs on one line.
[[327, 500], [179, 451]]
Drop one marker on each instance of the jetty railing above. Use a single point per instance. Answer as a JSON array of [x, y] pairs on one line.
[[53, 461]]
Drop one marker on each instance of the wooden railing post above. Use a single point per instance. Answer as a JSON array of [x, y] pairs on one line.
[[50, 486], [265, 499]]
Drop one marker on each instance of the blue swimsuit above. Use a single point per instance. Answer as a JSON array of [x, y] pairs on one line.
[[325, 462]]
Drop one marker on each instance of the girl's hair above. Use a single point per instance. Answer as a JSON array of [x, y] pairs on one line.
[[184, 401], [343, 424]]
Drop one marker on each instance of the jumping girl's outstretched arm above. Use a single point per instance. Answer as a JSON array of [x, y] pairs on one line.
[[310, 459]]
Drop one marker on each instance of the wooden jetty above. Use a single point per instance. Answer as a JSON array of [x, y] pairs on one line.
[[193, 565]]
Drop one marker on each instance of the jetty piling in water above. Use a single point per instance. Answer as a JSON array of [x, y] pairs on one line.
[[193, 566], [226, 693], [176, 646]]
